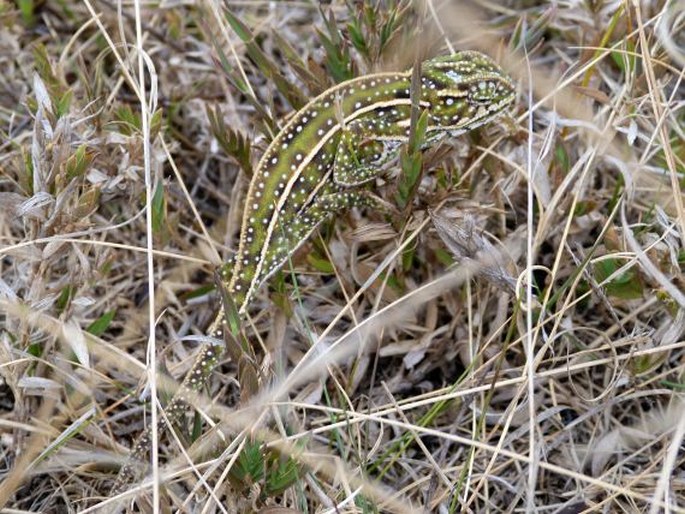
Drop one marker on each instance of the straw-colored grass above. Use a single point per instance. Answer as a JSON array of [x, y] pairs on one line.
[[511, 341]]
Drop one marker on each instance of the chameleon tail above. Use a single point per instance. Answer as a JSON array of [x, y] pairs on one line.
[[135, 466]]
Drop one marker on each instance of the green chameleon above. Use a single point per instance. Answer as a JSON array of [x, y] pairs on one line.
[[326, 160]]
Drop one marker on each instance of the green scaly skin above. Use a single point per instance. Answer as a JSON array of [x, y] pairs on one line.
[[324, 161]]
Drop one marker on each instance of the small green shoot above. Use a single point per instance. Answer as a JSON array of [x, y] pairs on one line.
[[627, 285], [100, 325]]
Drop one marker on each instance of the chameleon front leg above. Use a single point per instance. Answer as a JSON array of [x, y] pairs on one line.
[[367, 144]]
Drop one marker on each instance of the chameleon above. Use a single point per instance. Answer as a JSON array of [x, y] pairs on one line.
[[325, 160]]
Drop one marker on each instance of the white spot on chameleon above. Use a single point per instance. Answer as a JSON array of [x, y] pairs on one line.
[[456, 77]]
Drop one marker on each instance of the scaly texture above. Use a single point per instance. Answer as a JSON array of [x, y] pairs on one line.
[[323, 162]]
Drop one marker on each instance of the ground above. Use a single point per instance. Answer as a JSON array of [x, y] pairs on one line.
[[506, 336]]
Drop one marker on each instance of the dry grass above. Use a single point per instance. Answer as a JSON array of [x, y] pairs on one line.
[[545, 373]]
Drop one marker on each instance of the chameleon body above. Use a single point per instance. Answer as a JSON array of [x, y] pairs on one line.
[[324, 161]]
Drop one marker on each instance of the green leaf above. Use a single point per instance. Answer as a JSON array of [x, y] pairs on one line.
[[233, 142], [418, 138], [158, 209], [35, 349], [290, 91], [78, 162], [250, 466], [583, 207], [197, 292], [320, 264], [87, 203], [411, 161], [27, 10], [366, 505], [408, 258], [390, 26], [357, 38], [562, 159], [338, 59], [130, 122], [444, 257], [42, 63], [283, 473], [64, 298], [63, 103], [221, 277], [232, 317], [27, 175], [292, 57], [626, 285], [625, 58], [156, 122], [100, 325]]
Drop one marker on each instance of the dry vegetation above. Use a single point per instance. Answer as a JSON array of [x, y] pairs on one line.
[[511, 340]]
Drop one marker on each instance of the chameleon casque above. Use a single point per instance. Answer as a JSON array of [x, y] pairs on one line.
[[324, 161]]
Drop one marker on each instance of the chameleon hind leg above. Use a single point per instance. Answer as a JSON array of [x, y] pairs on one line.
[[293, 230], [328, 205]]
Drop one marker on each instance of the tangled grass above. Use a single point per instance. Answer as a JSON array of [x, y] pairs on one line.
[[511, 340]]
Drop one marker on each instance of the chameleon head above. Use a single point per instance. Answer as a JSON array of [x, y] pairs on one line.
[[465, 90]]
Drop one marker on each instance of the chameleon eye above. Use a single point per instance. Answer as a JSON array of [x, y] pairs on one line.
[[484, 93]]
